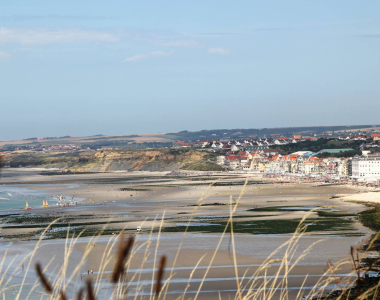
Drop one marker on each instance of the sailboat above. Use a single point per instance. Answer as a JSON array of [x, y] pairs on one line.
[[27, 206], [45, 203]]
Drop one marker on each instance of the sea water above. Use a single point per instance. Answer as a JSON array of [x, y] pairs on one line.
[[16, 198], [12, 198]]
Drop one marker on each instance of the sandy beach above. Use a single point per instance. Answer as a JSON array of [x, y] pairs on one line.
[[116, 201]]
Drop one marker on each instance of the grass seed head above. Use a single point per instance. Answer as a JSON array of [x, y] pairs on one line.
[[63, 296], [160, 274], [90, 291], [43, 279], [124, 249], [80, 294]]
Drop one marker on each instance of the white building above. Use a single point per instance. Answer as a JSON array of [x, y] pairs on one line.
[[306, 167], [220, 160], [366, 166], [234, 164]]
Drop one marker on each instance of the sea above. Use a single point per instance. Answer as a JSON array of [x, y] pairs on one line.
[[14, 198]]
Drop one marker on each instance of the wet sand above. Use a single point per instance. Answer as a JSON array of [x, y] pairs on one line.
[[251, 252]]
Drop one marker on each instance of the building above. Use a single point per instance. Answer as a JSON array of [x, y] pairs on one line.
[[306, 167], [232, 161], [256, 146], [297, 137], [270, 152], [220, 160], [366, 166], [349, 167], [335, 151]]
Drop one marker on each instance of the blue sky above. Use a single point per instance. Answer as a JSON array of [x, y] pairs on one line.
[[120, 67]]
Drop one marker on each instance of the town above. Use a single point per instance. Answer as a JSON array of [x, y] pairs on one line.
[[339, 156], [262, 155]]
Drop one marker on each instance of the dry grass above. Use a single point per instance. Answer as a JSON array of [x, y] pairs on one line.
[[257, 286]]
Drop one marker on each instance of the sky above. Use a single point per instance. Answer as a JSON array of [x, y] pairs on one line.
[[122, 67]]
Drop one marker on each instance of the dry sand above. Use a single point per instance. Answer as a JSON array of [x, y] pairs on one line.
[[373, 197]]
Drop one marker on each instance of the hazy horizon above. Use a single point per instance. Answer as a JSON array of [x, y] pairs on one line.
[[146, 67], [153, 133]]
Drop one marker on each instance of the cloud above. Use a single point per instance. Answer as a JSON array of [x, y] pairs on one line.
[[142, 56], [44, 36], [220, 51], [4, 56]]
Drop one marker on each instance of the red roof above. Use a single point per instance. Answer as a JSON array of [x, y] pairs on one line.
[[232, 157], [183, 143], [291, 157]]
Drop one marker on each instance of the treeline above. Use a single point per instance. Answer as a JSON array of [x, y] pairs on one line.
[[315, 146]]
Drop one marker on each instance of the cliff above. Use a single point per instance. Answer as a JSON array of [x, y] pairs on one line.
[[115, 160]]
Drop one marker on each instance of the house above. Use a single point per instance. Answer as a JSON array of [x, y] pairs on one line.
[[306, 167], [220, 160], [232, 161], [281, 141], [244, 160], [247, 167], [253, 154], [236, 147], [181, 144], [270, 152], [297, 137]]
